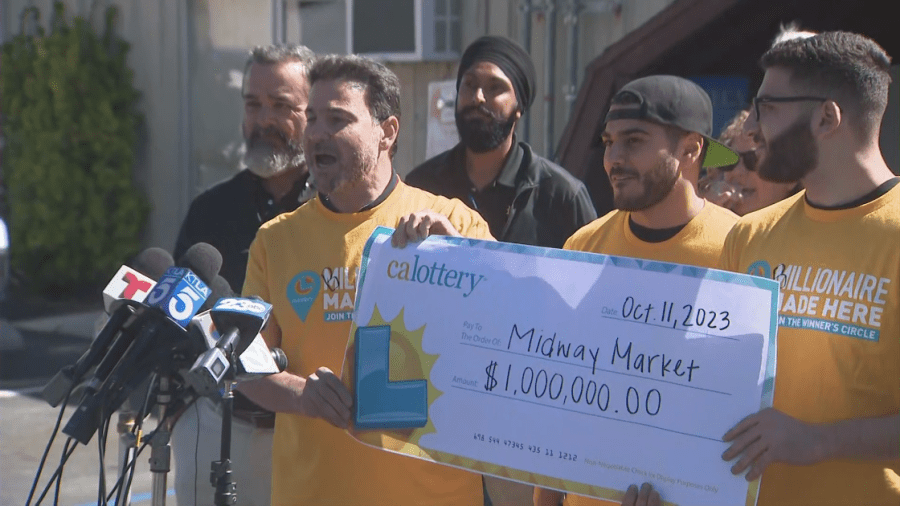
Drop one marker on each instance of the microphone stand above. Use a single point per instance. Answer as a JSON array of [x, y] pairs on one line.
[[127, 452], [222, 477], [161, 453]]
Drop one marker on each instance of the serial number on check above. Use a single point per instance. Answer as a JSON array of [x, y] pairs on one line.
[[516, 445]]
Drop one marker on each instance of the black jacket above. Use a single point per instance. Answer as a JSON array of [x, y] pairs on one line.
[[548, 204], [227, 216]]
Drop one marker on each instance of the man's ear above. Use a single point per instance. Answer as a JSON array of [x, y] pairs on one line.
[[691, 146], [391, 128], [828, 118], [516, 117]]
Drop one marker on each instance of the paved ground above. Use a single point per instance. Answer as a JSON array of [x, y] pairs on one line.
[[49, 342]]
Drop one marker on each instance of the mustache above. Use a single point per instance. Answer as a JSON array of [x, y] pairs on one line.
[[623, 171], [321, 147], [478, 108], [259, 134]]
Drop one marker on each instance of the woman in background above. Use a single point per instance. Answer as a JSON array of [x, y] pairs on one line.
[[738, 187]]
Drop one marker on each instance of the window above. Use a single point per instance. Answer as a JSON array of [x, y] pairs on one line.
[[405, 30]]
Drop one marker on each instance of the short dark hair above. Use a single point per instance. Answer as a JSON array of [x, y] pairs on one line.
[[380, 85], [273, 54], [851, 69]]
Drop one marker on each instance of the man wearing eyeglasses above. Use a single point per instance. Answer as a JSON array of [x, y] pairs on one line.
[[833, 436]]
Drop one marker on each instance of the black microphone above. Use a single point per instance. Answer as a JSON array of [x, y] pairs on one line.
[[238, 322], [128, 283], [170, 306], [220, 289], [153, 262], [256, 361], [204, 260], [280, 358]]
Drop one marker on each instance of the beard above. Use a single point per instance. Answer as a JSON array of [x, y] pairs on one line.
[[790, 156], [338, 176], [266, 158], [657, 184], [479, 134]]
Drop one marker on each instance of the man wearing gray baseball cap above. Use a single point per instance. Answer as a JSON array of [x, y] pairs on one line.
[[657, 137]]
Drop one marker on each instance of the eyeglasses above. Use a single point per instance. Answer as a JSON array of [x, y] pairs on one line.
[[749, 158], [763, 100]]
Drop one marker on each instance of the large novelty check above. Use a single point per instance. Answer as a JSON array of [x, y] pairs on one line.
[[569, 370]]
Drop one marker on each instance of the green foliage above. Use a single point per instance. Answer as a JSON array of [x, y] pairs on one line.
[[70, 128]]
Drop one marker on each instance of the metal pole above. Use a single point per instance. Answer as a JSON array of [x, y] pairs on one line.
[[127, 451], [278, 22], [161, 452], [185, 100], [549, 76], [571, 20], [526, 9], [222, 476]]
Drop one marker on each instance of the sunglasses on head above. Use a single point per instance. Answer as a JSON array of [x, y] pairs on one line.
[[748, 157]]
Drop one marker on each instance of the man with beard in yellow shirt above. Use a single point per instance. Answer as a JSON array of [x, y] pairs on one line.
[[306, 264], [832, 436], [657, 136]]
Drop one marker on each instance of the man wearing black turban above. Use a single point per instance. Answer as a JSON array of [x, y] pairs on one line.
[[525, 198]]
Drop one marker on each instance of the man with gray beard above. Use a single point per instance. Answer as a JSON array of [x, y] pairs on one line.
[[274, 180]]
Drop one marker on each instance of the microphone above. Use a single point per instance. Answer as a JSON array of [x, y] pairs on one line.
[[171, 304], [204, 259], [129, 284], [281, 360], [254, 362], [220, 288], [134, 284], [62, 383], [126, 284], [240, 320], [179, 294], [153, 262]]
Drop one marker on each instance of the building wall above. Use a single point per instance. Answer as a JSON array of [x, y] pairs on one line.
[[414, 100], [597, 29], [223, 34], [600, 23], [188, 58]]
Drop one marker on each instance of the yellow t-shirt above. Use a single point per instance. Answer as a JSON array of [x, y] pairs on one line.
[[698, 243], [306, 264], [838, 336]]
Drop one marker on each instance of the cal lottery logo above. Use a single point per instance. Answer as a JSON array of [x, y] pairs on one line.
[[417, 270], [841, 302]]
